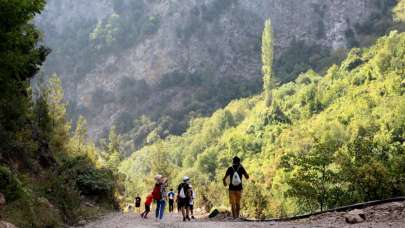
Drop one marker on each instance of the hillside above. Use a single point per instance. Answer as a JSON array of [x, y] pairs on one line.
[[51, 175], [175, 60], [325, 141]]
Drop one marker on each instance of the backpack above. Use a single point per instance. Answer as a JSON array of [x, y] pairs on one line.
[[236, 178], [182, 194], [156, 192]]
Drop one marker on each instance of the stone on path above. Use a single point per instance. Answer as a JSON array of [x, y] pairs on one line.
[[355, 216]]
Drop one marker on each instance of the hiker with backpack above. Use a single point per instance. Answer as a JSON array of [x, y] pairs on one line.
[[183, 198], [236, 173], [159, 195]]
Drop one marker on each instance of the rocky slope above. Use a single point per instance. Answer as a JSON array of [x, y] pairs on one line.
[[199, 55]]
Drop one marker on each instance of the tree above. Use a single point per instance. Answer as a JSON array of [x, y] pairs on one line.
[[20, 59], [113, 150], [80, 136], [57, 113], [267, 61]]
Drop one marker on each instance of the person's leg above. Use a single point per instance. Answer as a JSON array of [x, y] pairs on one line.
[[162, 209], [192, 211], [157, 209], [172, 206], [232, 201], [238, 197], [146, 213], [187, 211], [183, 212]]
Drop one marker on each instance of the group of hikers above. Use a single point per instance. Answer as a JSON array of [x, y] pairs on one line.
[[185, 195]]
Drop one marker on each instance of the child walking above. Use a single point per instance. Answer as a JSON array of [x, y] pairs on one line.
[[148, 202]]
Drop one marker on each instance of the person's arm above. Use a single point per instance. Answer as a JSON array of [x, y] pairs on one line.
[[226, 176], [245, 173]]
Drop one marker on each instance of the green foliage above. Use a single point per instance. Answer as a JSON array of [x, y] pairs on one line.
[[399, 11], [89, 180], [324, 142], [20, 59], [35, 153], [10, 186]]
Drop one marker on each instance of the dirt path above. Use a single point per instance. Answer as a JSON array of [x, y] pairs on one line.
[[129, 220], [389, 215]]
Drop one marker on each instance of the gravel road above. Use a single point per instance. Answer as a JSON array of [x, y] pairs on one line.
[[391, 215]]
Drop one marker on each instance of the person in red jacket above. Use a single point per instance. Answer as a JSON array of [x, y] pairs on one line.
[[148, 202]]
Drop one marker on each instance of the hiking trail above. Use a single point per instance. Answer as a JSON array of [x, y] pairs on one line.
[[379, 216]]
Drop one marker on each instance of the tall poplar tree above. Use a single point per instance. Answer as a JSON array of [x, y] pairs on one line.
[[267, 61]]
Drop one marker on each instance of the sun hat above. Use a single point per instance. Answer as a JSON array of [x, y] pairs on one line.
[[158, 177]]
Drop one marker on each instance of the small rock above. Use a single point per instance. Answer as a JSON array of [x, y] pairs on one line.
[[88, 204], [82, 223], [4, 224], [355, 216], [45, 202]]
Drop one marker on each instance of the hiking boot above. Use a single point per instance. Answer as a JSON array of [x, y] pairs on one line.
[[192, 217], [184, 219], [239, 219], [188, 218]]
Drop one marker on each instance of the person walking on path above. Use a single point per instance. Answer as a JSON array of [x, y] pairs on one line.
[[191, 205], [236, 173], [148, 202], [171, 196], [183, 198], [138, 203], [159, 195]]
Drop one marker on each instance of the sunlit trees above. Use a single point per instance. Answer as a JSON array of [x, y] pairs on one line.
[[340, 140]]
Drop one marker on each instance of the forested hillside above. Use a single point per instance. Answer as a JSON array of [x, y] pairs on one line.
[[50, 173], [149, 67], [324, 141], [148, 87]]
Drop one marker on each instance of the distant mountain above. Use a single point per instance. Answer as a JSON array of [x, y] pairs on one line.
[[176, 59]]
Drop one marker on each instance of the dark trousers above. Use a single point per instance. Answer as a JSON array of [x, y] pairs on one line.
[[171, 205], [146, 212]]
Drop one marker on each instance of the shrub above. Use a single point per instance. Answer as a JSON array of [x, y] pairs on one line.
[[10, 186]]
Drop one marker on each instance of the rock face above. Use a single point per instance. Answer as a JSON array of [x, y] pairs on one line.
[[216, 40]]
